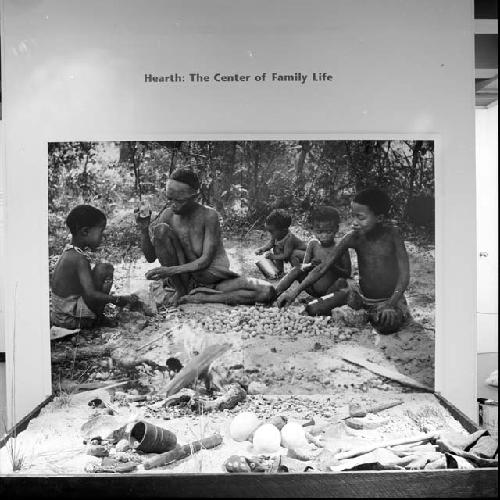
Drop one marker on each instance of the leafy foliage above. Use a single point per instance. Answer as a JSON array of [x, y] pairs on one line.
[[243, 180]]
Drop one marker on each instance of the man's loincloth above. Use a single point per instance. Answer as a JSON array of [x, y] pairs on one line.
[[70, 312], [356, 300]]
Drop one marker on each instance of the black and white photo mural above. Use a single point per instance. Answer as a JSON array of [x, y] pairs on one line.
[[255, 277]]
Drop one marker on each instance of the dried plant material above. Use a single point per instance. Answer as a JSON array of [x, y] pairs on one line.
[[457, 462], [428, 418], [486, 447], [420, 460], [380, 458], [437, 464], [385, 444], [196, 367], [304, 453], [460, 440], [325, 459], [404, 452]]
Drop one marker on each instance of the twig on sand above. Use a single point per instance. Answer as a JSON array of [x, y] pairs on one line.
[[183, 451], [421, 438], [156, 339]]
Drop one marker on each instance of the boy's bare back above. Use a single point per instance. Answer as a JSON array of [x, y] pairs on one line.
[[65, 278]]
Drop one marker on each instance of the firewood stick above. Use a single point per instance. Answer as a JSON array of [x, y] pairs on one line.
[[183, 451], [233, 395], [81, 352], [195, 368], [385, 444]]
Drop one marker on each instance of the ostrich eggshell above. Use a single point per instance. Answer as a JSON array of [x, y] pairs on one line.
[[293, 435], [243, 425], [267, 439]]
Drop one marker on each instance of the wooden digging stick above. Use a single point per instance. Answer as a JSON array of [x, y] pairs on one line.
[[386, 372], [384, 444], [183, 451], [195, 368], [357, 410]]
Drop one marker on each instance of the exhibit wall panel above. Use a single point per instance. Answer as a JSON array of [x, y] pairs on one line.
[[76, 71]]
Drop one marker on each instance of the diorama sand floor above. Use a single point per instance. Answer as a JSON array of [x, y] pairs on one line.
[[52, 443], [273, 352]]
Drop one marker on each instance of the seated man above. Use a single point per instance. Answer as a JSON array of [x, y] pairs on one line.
[[186, 239]]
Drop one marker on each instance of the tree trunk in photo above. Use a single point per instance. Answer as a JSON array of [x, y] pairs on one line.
[[417, 147], [255, 179], [136, 164], [305, 147], [126, 152], [173, 159]]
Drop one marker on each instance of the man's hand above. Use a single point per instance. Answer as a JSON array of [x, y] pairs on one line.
[[141, 220], [158, 273], [123, 300], [285, 299], [269, 255], [387, 315]]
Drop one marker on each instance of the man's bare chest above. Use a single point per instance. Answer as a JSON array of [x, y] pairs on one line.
[[189, 232]]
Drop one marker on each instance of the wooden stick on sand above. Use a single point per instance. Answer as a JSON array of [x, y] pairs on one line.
[[183, 451], [387, 373], [384, 444]]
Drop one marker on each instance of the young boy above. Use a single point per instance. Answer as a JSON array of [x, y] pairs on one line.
[[80, 293], [383, 267], [286, 246], [325, 224]]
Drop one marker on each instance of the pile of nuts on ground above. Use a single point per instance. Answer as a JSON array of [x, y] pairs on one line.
[[259, 320]]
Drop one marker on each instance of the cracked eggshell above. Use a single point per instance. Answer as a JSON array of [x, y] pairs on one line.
[[293, 436], [243, 425], [266, 439]]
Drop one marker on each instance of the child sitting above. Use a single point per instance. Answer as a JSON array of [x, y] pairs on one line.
[[325, 224], [80, 293], [383, 267], [286, 246]]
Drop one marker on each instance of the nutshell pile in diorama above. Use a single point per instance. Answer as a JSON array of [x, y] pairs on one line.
[[243, 306]]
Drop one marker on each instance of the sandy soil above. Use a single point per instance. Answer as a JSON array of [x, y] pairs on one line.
[[53, 443], [272, 353]]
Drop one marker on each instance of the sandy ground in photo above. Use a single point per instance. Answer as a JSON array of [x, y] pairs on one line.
[[272, 352]]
